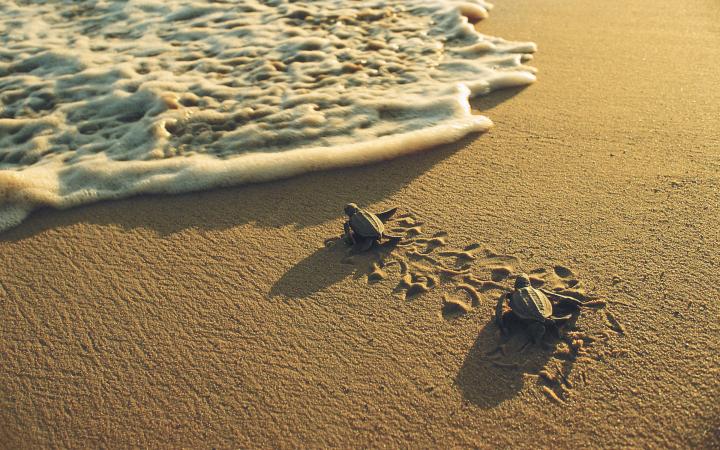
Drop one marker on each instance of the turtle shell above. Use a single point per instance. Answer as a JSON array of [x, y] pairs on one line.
[[530, 304], [366, 224]]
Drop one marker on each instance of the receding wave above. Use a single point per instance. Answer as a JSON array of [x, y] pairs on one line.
[[103, 100]]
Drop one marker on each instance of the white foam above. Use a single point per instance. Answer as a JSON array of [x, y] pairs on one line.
[[115, 98]]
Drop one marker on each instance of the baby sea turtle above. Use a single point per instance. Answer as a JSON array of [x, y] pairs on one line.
[[532, 306], [364, 228]]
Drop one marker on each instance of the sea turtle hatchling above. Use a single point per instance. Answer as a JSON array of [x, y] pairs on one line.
[[532, 306], [364, 228]]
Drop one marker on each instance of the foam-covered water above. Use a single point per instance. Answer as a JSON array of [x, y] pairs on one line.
[[108, 98]]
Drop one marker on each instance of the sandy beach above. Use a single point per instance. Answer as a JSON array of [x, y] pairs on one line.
[[221, 319]]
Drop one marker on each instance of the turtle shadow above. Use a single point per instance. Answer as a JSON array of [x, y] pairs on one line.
[[327, 266], [496, 367], [323, 268]]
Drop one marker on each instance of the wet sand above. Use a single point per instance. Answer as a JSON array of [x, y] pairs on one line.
[[221, 319]]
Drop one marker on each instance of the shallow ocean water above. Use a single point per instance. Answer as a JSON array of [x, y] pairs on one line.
[[105, 99]]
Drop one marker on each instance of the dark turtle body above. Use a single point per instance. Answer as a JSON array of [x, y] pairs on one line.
[[529, 303], [364, 228], [533, 306], [366, 224]]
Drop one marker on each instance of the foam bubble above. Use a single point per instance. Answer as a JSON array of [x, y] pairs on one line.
[[116, 98]]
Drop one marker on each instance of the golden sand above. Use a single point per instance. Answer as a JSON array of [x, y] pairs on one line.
[[221, 318]]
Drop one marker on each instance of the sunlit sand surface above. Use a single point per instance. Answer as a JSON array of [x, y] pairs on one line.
[[236, 318]]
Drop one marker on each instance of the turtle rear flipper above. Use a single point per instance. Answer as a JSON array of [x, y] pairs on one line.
[[364, 244], [393, 237], [561, 318], [390, 242], [386, 215]]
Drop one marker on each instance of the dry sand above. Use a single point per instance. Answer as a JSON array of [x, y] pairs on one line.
[[220, 319]]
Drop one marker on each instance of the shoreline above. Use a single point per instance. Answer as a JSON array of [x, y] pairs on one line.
[[219, 318]]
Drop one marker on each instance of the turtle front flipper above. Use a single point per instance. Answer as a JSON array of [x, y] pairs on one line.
[[564, 299], [349, 236], [499, 313], [386, 215]]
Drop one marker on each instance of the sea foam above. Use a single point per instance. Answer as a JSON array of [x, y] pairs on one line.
[[106, 99]]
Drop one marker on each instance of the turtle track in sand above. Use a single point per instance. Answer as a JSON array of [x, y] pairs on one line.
[[467, 282]]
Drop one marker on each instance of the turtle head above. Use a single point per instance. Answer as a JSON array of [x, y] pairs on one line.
[[351, 208], [522, 281]]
